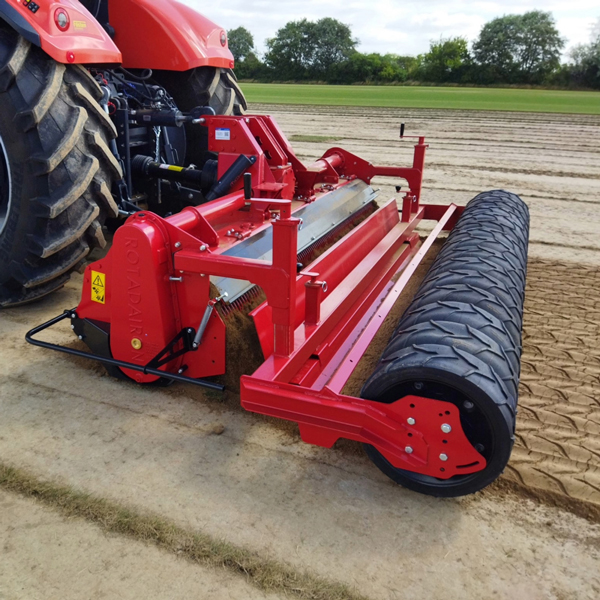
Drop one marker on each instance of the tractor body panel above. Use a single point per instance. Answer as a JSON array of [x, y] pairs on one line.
[[149, 34]]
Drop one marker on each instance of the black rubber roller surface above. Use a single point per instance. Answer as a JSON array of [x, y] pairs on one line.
[[460, 339]]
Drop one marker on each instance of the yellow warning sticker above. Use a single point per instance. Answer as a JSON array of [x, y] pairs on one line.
[[171, 168], [98, 287]]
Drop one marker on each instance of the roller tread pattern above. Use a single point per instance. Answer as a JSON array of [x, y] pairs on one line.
[[56, 110], [463, 331], [459, 337], [469, 315], [478, 299]]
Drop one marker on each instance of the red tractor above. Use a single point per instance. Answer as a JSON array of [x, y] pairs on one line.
[[70, 72], [129, 110]]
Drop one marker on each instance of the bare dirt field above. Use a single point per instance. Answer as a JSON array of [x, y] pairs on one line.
[[200, 461]]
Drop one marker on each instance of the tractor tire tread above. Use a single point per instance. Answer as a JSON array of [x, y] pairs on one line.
[[55, 108]]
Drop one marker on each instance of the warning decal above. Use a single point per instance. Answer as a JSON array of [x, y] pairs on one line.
[[98, 287]]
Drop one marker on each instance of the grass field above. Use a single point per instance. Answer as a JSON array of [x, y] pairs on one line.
[[551, 101]]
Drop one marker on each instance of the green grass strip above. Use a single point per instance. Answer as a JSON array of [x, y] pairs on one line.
[[197, 547], [458, 98]]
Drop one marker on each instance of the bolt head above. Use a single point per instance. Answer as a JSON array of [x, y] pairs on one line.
[[446, 428], [80, 337], [443, 457], [177, 244], [72, 326], [202, 248], [411, 421], [408, 450]]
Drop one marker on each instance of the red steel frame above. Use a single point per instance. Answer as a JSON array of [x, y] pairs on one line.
[[317, 324]]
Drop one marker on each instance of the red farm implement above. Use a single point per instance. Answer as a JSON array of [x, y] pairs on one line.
[[149, 308]]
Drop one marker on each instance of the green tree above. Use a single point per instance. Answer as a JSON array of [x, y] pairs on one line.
[[306, 49], [251, 68], [519, 48], [333, 44], [584, 64], [241, 43], [445, 60]]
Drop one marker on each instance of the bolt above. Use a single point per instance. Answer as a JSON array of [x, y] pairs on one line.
[[72, 326], [468, 405], [190, 330], [73, 316], [418, 386], [408, 450], [80, 337], [177, 244], [180, 371], [411, 421], [202, 248], [446, 428], [190, 196], [443, 457]]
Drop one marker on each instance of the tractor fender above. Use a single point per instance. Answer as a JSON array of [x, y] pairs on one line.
[[83, 42], [166, 35]]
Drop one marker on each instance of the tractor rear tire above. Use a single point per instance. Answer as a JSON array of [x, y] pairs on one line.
[[204, 86], [56, 170]]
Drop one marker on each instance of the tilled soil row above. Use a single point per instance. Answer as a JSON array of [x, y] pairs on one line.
[[558, 428]]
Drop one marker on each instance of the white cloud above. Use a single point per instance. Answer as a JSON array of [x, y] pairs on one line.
[[399, 26]]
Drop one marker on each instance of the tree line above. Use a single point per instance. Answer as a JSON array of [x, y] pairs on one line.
[[510, 50]]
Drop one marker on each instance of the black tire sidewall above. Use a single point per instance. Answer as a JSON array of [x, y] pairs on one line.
[[25, 185], [386, 390]]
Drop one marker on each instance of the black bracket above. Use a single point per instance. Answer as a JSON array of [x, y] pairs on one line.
[[167, 354]]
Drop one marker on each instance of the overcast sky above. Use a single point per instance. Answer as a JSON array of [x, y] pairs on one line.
[[397, 26]]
